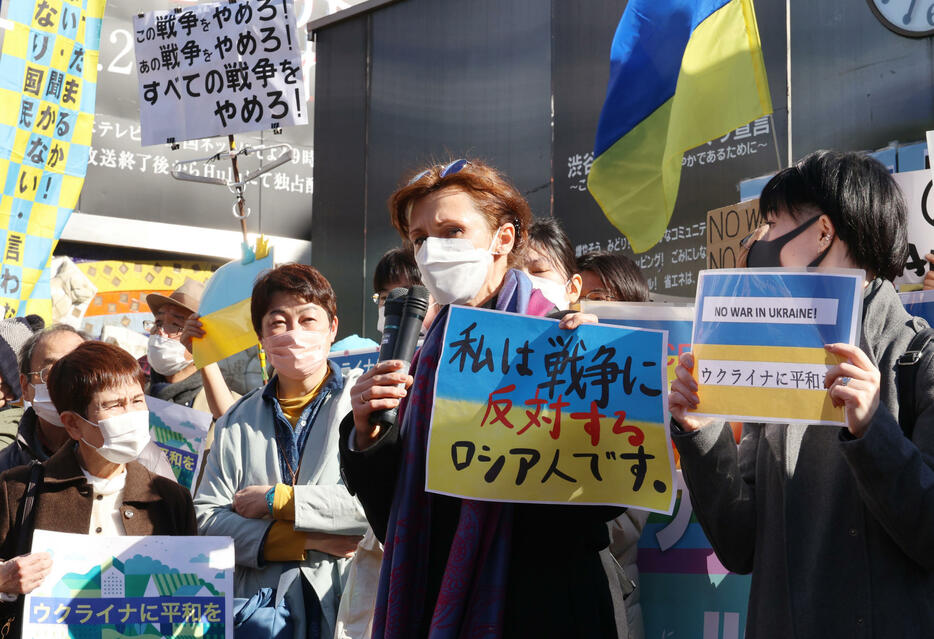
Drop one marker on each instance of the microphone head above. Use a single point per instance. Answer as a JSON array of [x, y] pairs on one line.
[[417, 299], [396, 299]]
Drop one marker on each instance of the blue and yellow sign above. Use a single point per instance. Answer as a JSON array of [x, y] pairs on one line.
[[527, 412], [759, 339], [48, 81]]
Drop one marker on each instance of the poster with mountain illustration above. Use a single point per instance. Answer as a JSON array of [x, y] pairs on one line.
[[144, 587], [181, 432]]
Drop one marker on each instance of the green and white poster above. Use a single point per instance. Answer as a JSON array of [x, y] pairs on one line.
[[181, 433], [145, 587]]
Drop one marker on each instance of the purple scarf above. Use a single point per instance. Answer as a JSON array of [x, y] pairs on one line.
[[471, 601]]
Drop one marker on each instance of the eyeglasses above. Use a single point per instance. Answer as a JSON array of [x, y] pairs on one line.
[[42, 373], [380, 298], [446, 170], [600, 295], [169, 329]]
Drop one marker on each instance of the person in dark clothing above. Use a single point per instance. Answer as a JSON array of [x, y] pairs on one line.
[[533, 570]]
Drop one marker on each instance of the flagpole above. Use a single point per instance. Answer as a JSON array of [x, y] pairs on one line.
[[778, 155]]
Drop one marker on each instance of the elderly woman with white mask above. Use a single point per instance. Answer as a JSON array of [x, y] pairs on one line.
[[92, 485]]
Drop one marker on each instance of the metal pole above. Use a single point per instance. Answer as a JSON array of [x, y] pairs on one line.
[[236, 179]]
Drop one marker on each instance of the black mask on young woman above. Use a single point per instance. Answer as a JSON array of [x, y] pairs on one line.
[[767, 253]]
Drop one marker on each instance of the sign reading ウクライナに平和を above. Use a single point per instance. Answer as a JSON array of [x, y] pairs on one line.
[[153, 587], [759, 339], [218, 68], [527, 412]]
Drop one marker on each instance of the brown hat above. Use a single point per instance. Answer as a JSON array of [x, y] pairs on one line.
[[188, 296]]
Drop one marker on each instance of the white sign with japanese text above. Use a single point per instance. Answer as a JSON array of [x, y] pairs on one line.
[[916, 187], [218, 68]]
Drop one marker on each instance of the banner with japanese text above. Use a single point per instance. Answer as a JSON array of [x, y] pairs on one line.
[[676, 319], [916, 187], [364, 358], [218, 68], [181, 432], [527, 412], [759, 337], [156, 587], [48, 81]]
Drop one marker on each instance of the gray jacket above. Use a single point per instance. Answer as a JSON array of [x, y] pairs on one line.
[[838, 532], [245, 454]]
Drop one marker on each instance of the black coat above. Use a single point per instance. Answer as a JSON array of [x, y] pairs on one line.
[[557, 586]]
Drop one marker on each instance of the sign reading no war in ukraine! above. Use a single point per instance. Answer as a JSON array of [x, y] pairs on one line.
[[759, 337], [527, 412]]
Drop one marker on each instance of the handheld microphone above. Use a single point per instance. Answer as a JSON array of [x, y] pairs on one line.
[[392, 314], [406, 340]]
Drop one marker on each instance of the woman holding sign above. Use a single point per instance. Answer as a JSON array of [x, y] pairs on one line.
[[533, 570], [836, 525]]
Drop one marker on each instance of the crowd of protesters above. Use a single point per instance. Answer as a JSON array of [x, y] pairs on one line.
[[833, 524]]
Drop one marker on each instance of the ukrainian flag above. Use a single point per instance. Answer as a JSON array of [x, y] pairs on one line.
[[682, 72]]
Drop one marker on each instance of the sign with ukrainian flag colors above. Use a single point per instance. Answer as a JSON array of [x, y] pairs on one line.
[[682, 73], [155, 587], [225, 307], [48, 81], [759, 337], [676, 319], [527, 412]]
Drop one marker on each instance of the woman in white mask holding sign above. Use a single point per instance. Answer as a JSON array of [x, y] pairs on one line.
[[272, 479], [534, 570], [551, 264], [92, 485]]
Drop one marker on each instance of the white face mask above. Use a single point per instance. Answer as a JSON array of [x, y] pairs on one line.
[[42, 404], [553, 291], [125, 436], [453, 269], [166, 356], [380, 318]]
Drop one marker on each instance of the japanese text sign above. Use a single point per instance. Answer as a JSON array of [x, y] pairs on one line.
[[48, 82], [527, 412], [759, 337], [181, 433], [157, 587], [218, 68], [919, 196], [726, 228], [676, 319], [364, 358], [919, 304]]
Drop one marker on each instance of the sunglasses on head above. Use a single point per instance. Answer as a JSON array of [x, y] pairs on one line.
[[448, 169]]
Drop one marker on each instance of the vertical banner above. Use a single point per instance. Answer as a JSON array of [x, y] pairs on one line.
[[759, 339], [527, 412], [677, 319], [155, 587], [48, 81], [218, 68]]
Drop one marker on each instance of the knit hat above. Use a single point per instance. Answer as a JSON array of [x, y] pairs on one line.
[[13, 334]]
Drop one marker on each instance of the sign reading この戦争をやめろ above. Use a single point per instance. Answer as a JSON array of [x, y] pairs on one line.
[[527, 412], [218, 68]]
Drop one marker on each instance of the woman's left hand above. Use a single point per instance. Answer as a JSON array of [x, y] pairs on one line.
[[853, 384], [251, 502], [575, 319]]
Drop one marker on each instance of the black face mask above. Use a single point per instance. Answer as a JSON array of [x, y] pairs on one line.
[[767, 253]]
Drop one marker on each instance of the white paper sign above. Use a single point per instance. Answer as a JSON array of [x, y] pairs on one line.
[[181, 433], [156, 587], [916, 187], [218, 68]]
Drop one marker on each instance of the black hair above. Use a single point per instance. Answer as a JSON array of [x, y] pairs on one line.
[[547, 237], [396, 267], [859, 196], [621, 277]]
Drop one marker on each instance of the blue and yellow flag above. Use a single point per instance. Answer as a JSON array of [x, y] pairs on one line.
[[682, 72], [48, 82]]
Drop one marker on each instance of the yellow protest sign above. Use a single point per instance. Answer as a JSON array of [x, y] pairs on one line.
[[527, 412]]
